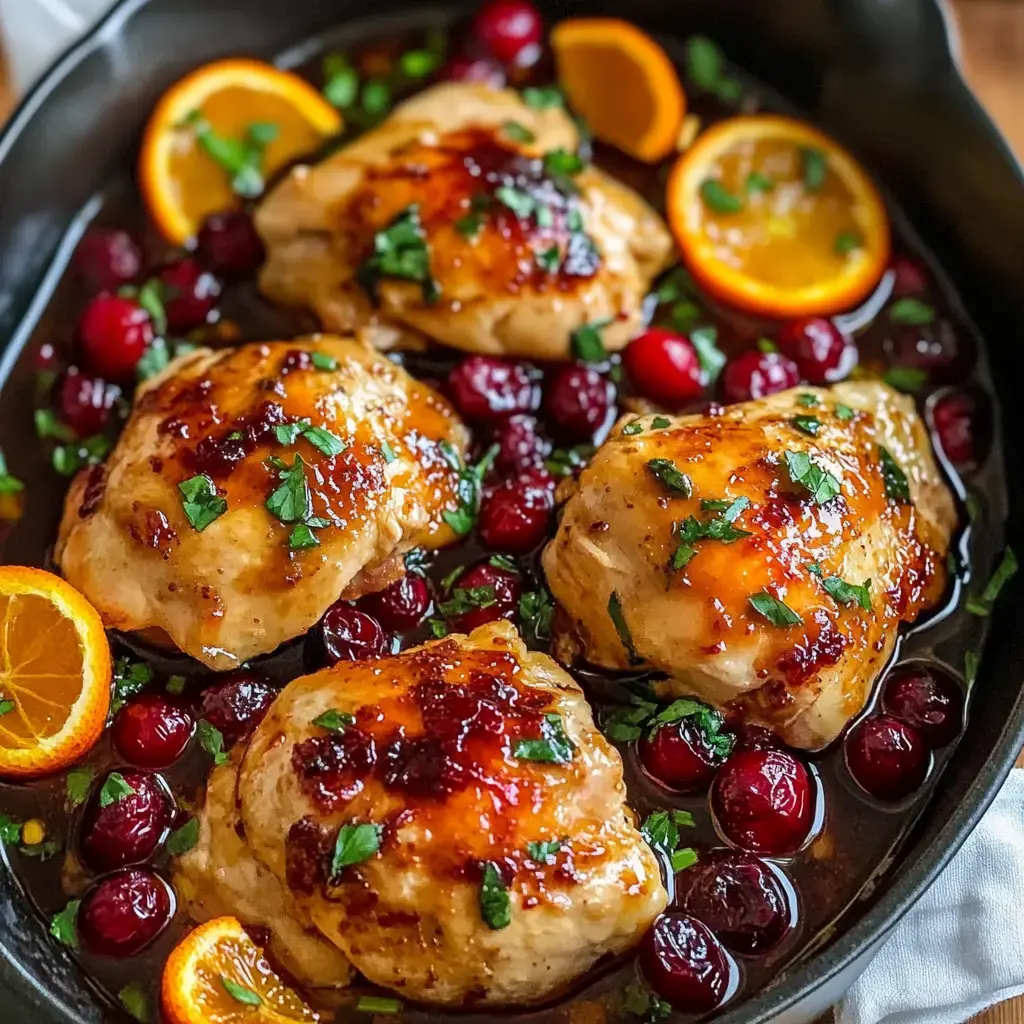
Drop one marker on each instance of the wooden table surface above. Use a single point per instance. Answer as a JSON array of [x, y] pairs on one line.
[[992, 45]]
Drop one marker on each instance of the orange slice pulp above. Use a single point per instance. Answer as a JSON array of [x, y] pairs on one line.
[[776, 218]]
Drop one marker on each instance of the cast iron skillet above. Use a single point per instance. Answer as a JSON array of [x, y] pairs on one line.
[[880, 76]]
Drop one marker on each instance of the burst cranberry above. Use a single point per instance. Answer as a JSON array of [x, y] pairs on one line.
[[85, 401], [123, 913], [228, 244], [926, 699], [739, 898], [400, 606], [509, 30], [114, 332], [580, 402], [757, 375], [237, 703], [680, 756], [468, 69], [909, 278], [514, 514], [754, 737], [763, 801], [818, 347], [351, 635], [487, 388], [953, 416], [106, 258], [519, 443], [152, 731], [887, 757], [190, 294], [664, 367], [130, 827], [483, 593], [684, 963]]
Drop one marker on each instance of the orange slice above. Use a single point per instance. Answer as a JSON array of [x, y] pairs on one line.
[[776, 218], [622, 83], [54, 673], [228, 105], [218, 975]]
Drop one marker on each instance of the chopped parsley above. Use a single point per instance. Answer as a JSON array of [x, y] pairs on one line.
[[897, 487], [618, 617], [628, 723], [587, 343], [766, 345], [129, 678], [470, 482], [400, 251], [379, 1004], [6, 706], [553, 746], [334, 720], [64, 925], [972, 662], [467, 599], [566, 461], [495, 908], [806, 473], [661, 831], [543, 97], [200, 501], [544, 852], [68, 459], [807, 399], [240, 993], [844, 593], [807, 424], [241, 159], [324, 441], [354, 844], [302, 537], [183, 839], [912, 312], [211, 739], [844, 412], [8, 483], [77, 786], [906, 378], [115, 789], [561, 163], [642, 1002], [1005, 571], [518, 132], [705, 66], [135, 1002], [471, 225], [711, 357], [718, 198], [846, 242], [815, 167], [322, 361], [660, 423], [774, 610], [758, 182], [669, 475], [47, 425], [720, 528], [549, 260], [632, 428], [341, 82], [536, 610]]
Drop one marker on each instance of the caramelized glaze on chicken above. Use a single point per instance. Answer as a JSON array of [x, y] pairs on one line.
[[253, 486], [522, 247], [762, 558], [451, 820]]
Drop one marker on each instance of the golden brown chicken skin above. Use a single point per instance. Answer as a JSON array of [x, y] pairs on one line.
[[763, 558], [507, 246], [253, 486], [451, 819]]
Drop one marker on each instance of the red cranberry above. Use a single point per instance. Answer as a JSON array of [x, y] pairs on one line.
[[579, 401], [501, 601], [228, 244], [129, 828], [953, 417], [467, 69], [115, 332], [519, 443], [121, 914], [754, 737], [236, 704], [739, 898], [106, 258], [909, 278], [887, 757], [757, 375], [351, 635], [679, 756], [514, 514], [664, 367], [401, 606], [763, 801], [488, 388], [510, 30], [817, 347], [928, 700], [684, 963], [152, 731], [85, 401], [190, 294], [934, 348]]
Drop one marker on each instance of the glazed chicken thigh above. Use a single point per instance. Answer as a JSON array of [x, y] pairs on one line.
[[465, 216], [448, 819], [761, 559], [253, 486]]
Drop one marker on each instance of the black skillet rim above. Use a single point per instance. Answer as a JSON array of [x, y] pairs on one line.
[[908, 886]]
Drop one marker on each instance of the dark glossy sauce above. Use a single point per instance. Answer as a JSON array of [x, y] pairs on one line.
[[856, 839]]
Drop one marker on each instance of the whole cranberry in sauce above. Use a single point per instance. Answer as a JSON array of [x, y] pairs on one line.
[[953, 417], [486, 388], [190, 294], [470, 69], [123, 913], [663, 366], [228, 244], [887, 757], [115, 332], [926, 699], [680, 756], [84, 401], [933, 349], [509, 30], [351, 635], [580, 402], [739, 898], [236, 704], [514, 514], [520, 443], [764, 801], [131, 825], [684, 963], [401, 605], [485, 593], [909, 277], [818, 347], [106, 258], [152, 730], [757, 375]]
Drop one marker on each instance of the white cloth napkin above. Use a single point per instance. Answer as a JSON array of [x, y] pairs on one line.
[[961, 947]]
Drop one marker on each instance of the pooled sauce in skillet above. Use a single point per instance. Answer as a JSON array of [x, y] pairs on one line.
[[853, 834]]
